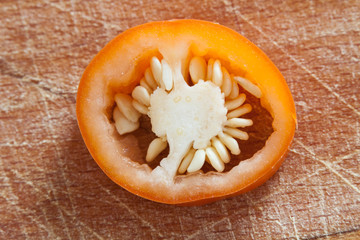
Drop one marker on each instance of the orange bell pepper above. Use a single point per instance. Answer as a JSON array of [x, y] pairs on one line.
[[118, 68]]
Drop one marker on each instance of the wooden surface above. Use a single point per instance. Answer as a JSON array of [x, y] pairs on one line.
[[52, 189]]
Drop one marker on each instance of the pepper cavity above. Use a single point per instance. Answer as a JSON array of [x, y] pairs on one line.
[[216, 147]]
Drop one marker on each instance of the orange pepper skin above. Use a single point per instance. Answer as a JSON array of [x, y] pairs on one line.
[[119, 66]]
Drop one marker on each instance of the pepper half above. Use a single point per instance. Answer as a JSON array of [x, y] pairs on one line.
[[120, 67]]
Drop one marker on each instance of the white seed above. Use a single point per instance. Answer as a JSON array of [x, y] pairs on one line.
[[166, 76], [141, 95], [122, 124], [227, 84], [236, 133], [197, 69], [215, 160], [221, 149], [236, 102], [140, 107], [155, 148], [239, 122], [246, 108], [249, 86], [186, 161], [124, 103], [230, 143], [197, 161], [210, 69], [217, 76], [156, 69], [144, 84], [150, 79], [234, 90]]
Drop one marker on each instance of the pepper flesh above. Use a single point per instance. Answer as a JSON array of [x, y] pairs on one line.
[[119, 68]]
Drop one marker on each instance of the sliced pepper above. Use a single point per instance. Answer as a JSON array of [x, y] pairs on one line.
[[154, 66]]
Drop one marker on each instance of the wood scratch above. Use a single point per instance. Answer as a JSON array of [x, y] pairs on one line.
[[349, 155], [322, 83], [89, 18], [349, 172], [102, 10], [131, 211], [16, 205], [211, 225], [274, 193], [73, 18], [55, 203], [251, 214], [294, 226], [322, 198], [328, 166], [181, 227], [254, 203], [225, 210], [337, 159], [44, 96], [49, 231], [57, 156], [90, 230], [40, 83], [280, 224], [30, 48], [14, 144], [28, 40], [28, 214]]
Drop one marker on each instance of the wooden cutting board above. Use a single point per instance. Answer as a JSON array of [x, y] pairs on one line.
[[52, 189]]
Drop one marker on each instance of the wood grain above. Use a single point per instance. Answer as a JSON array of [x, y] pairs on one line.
[[52, 189]]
